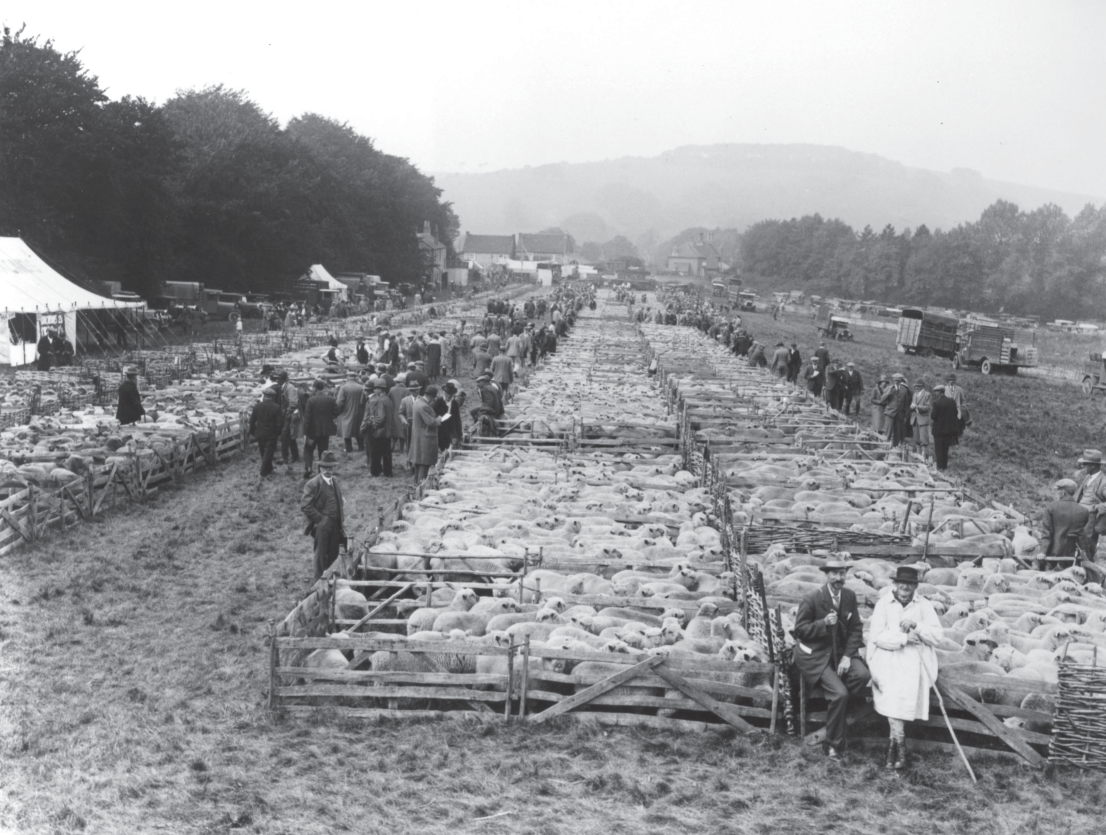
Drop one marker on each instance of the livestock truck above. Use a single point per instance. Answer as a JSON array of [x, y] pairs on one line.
[[926, 333], [994, 349]]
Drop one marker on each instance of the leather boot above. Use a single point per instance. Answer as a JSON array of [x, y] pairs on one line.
[[900, 755], [892, 754]]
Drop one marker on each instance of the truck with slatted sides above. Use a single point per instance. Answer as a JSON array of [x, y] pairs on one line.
[[994, 349], [927, 333]]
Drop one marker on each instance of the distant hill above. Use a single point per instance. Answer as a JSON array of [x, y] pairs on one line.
[[728, 186]]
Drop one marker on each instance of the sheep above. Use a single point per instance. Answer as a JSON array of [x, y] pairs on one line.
[[700, 626], [423, 619], [492, 606]]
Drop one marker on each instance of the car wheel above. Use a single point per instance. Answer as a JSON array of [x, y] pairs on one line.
[[985, 367], [927, 353]]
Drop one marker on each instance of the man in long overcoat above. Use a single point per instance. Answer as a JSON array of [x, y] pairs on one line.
[[319, 414], [376, 426], [943, 425], [351, 395], [323, 506], [130, 408], [902, 634], [854, 387], [829, 636], [1091, 493], [424, 433], [896, 409]]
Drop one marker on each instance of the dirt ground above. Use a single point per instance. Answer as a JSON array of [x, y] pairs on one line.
[[134, 674]]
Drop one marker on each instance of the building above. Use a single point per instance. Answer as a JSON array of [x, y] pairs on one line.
[[434, 254], [555, 248], [486, 250], [698, 257]]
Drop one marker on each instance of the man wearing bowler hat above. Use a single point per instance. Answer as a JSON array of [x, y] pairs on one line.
[[322, 505], [902, 636], [1091, 493], [829, 637]]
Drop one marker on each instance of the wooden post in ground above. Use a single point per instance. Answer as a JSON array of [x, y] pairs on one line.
[[510, 679], [273, 661]]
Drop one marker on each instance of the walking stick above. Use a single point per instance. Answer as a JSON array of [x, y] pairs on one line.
[[948, 722]]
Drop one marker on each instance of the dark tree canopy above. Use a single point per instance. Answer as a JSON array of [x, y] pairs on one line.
[[208, 187], [1039, 262]]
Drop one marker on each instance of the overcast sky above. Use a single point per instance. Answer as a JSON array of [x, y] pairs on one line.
[[1011, 89]]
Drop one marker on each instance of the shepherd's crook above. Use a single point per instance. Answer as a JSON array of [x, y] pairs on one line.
[[941, 702]]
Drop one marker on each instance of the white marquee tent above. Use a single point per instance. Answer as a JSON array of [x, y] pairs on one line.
[[34, 298], [319, 273]]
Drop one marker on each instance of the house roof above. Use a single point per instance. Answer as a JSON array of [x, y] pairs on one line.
[[544, 243], [428, 241], [695, 249], [491, 244]]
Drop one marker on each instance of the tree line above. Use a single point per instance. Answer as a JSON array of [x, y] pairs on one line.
[[205, 187], [1039, 262]]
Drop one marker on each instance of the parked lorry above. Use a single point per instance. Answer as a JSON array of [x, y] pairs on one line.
[[994, 349], [927, 333], [718, 287], [830, 326]]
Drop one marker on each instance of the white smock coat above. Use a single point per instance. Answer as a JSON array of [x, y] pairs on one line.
[[902, 673]]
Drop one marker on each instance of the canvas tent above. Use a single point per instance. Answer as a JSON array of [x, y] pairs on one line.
[[35, 299], [318, 273]]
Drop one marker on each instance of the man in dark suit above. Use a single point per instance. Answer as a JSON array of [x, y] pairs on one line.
[[319, 415], [896, 409], [943, 425], [794, 363], [322, 505], [822, 355], [854, 387], [1063, 521], [829, 637], [834, 386], [130, 408]]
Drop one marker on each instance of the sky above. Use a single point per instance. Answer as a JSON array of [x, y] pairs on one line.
[[1003, 88]]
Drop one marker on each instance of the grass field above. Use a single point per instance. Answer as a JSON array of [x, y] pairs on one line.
[[1026, 432], [134, 670]]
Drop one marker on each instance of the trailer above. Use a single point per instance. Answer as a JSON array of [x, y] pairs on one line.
[[926, 333], [993, 348]]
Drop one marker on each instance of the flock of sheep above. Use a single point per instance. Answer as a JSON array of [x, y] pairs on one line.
[[631, 558]]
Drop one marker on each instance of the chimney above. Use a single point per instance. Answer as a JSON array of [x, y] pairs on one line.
[[426, 226]]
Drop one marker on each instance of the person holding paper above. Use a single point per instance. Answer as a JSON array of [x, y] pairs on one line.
[[424, 433]]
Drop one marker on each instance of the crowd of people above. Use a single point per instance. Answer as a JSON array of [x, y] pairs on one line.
[[928, 419], [384, 409]]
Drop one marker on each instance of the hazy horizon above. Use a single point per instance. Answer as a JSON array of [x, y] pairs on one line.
[[1002, 88]]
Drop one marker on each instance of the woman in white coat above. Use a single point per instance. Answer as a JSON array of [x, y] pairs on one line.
[[902, 634]]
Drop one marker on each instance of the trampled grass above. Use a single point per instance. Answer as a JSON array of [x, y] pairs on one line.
[[133, 674]]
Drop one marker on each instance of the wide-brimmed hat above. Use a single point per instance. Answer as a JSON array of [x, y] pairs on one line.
[[898, 376], [328, 459], [282, 376], [836, 564], [905, 574], [1090, 456], [380, 383]]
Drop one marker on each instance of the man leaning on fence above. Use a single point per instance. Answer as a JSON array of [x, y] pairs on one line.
[[829, 637]]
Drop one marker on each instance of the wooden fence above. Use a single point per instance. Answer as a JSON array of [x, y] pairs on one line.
[[29, 512]]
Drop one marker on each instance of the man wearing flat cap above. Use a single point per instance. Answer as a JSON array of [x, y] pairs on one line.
[[829, 636], [1091, 493], [1063, 521], [896, 409], [902, 636]]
